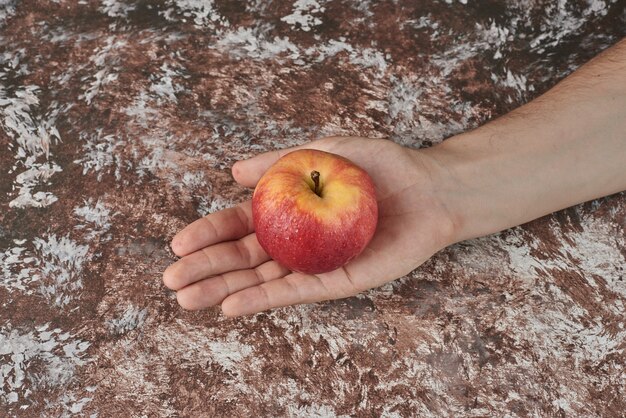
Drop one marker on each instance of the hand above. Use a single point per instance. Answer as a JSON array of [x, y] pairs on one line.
[[564, 148], [222, 261]]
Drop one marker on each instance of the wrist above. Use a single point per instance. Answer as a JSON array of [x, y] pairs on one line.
[[451, 188], [476, 182], [434, 169]]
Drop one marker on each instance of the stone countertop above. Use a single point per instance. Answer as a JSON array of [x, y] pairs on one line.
[[119, 122]]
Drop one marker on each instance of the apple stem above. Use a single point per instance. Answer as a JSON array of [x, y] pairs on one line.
[[315, 176]]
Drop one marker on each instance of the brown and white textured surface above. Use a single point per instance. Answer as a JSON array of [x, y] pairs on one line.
[[119, 121]]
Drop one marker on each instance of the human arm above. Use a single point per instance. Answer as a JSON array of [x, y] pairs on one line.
[[566, 147]]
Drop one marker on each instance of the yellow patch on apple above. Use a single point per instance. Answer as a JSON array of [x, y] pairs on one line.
[[314, 211]]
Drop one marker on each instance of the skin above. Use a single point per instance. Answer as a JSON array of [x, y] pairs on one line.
[[565, 147]]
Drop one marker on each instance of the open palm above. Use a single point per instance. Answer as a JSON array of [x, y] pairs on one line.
[[222, 261]]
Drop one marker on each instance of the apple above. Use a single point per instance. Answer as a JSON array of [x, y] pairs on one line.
[[314, 211]]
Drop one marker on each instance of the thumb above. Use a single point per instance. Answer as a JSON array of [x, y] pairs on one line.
[[248, 172]]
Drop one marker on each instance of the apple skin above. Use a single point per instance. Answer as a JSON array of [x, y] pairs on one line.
[[307, 232]]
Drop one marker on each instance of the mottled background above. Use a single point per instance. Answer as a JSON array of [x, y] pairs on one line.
[[119, 121]]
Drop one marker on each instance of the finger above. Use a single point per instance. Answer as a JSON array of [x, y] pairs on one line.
[[248, 172], [217, 259], [293, 289], [212, 291], [225, 225]]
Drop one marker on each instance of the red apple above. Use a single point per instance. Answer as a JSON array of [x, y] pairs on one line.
[[314, 211]]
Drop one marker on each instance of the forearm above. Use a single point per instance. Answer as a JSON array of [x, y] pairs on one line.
[[566, 147]]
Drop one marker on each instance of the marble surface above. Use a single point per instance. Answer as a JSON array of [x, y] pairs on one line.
[[119, 121]]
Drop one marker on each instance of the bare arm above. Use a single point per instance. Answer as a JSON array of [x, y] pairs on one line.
[[566, 147]]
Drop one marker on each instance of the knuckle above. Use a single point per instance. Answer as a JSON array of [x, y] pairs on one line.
[[243, 252], [267, 303]]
